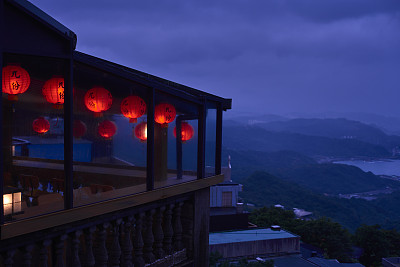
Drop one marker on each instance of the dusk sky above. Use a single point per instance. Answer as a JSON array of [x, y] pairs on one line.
[[269, 56]]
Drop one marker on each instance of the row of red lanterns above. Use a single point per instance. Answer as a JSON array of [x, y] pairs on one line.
[[107, 129], [16, 80]]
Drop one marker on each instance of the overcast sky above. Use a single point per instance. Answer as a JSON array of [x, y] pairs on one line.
[[269, 56]]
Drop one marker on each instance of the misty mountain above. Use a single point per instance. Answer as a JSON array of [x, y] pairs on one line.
[[259, 139], [335, 128], [295, 168]]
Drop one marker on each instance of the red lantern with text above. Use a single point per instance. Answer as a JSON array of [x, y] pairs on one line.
[[41, 125], [141, 131], [79, 129], [16, 80], [133, 107], [164, 113], [98, 99], [53, 91], [107, 129], [187, 131]]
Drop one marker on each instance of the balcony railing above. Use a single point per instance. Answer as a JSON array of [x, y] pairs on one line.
[[158, 229]]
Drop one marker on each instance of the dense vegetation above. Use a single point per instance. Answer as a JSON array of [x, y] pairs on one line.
[[263, 189], [334, 240]]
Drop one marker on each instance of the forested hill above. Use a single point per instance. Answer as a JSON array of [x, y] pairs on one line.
[[334, 128], [259, 139], [264, 189], [302, 170]]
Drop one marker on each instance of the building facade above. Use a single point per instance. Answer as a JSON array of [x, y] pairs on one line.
[[102, 165]]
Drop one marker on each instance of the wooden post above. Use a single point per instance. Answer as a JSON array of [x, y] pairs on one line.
[[161, 152], [201, 227]]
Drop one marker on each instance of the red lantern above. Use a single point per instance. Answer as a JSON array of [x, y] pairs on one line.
[[98, 99], [164, 113], [187, 131], [53, 91], [16, 81], [107, 129], [41, 125], [79, 129], [141, 131], [133, 107]]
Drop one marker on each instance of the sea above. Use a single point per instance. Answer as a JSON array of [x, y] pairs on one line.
[[378, 167]]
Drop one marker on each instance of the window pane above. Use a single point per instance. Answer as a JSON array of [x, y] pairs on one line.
[[109, 160], [33, 135], [175, 162], [211, 128]]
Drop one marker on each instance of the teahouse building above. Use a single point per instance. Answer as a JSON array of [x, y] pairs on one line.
[[91, 171]]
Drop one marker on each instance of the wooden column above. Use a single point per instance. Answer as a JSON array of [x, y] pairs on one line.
[[160, 152], [201, 227]]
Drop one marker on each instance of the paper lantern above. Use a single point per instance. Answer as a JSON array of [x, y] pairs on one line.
[[79, 129], [164, 113], [41, 125], [53, 91], [107, 129], [187, 131], [16, 80], [98, 99], [133, 107], [141, 131]]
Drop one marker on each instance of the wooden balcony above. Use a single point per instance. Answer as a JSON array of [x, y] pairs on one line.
[[164, 227]]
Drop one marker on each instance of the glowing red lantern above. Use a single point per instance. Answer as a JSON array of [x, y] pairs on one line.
[[79, 129], [187, 131], [141, 131], [98, 99], [133, 107], [107, 129], [53, 91], [164, 113], [16, 80], [41, 125]]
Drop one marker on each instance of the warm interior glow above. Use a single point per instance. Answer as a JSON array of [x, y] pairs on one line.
[[7, 199]]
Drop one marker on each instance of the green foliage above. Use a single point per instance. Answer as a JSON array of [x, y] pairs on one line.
[[324, 233]]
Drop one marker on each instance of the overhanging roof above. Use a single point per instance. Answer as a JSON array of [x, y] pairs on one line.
[[151, 80], [46, 19]]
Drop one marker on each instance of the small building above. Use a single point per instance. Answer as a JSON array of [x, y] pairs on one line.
[[254, 243]]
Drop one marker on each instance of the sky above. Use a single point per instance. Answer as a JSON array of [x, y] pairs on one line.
[[269, 56]]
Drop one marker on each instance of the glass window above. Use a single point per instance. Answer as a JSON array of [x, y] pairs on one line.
[[109, 158], [175, 161], [33, 143], [211, 128]]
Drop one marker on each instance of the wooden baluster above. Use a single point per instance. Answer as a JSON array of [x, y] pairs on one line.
[[75, 261], [187, 225], [177, 225], [59, 245], [127, 246], [115, 251], [27, 256], [138, 260], [100, 250], [9, 258], [158, 233], [44, 253], [148, 238], [168, 230], [89, 258]]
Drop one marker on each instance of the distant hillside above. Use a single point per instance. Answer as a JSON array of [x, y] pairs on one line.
[[335, 128], [264, 189], [259, 139], [299, 169]]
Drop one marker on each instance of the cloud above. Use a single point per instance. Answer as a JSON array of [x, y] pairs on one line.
[[269, 56]]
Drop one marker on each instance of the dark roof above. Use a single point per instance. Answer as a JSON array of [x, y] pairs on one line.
[[43, 17], [151, 80]]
